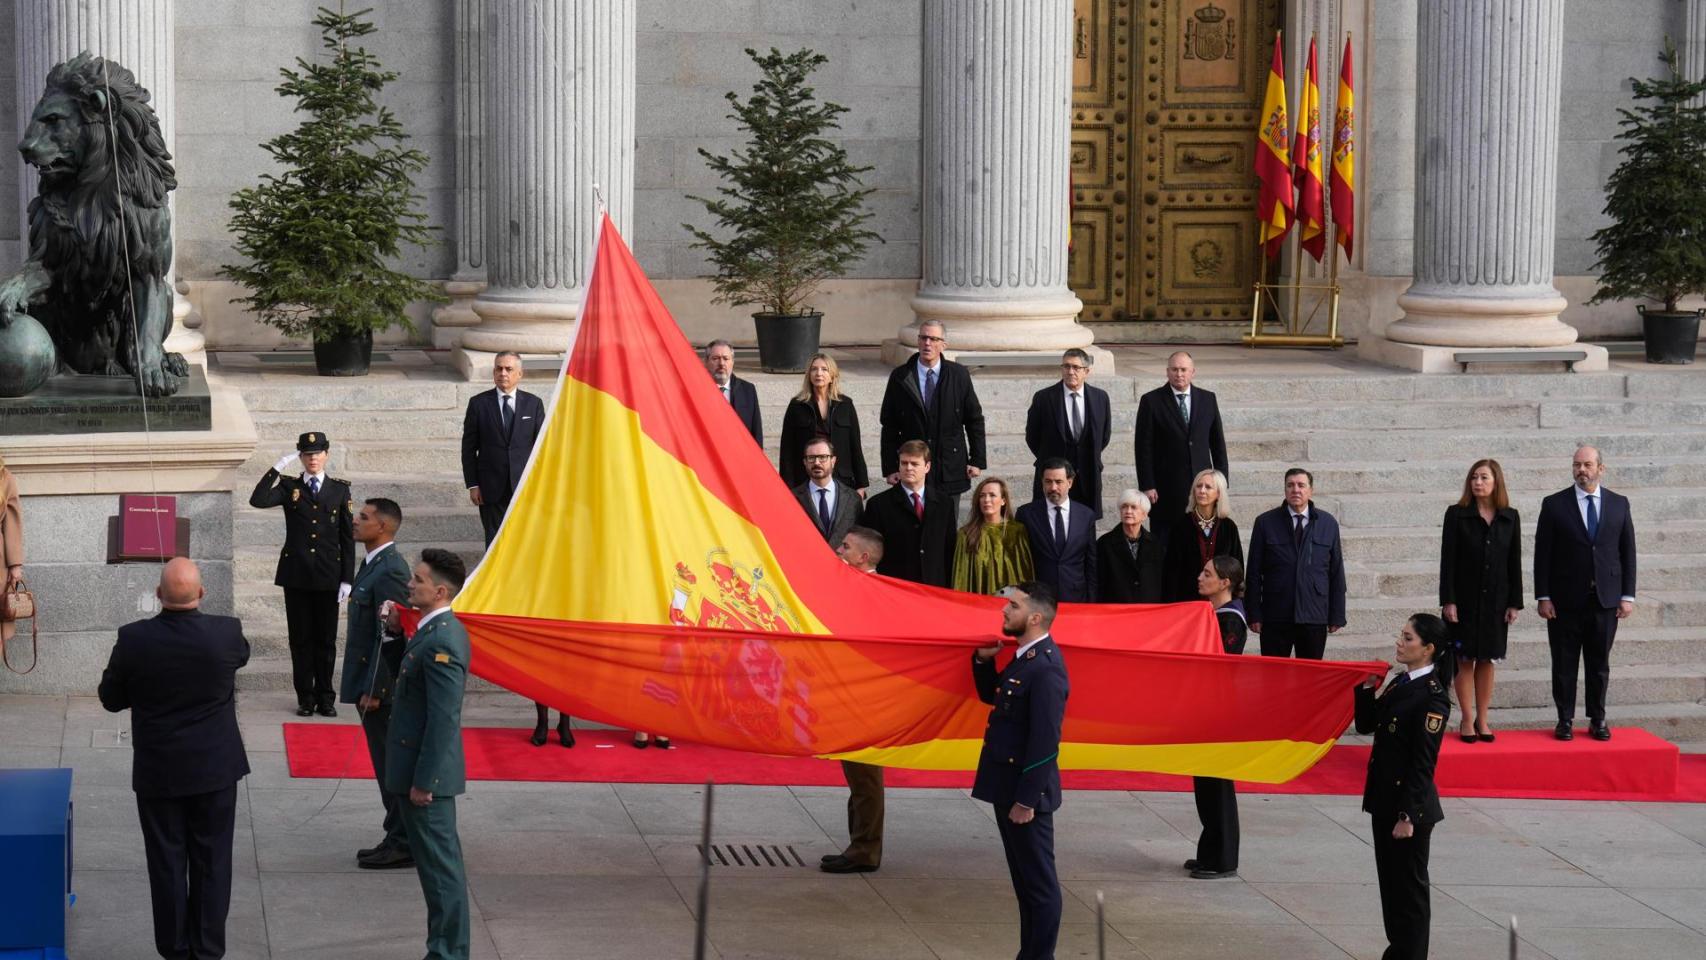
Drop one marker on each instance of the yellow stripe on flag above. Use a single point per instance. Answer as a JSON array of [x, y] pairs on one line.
[[1256, 761]]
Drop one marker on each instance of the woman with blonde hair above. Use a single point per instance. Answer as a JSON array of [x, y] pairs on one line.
[[821, 410], [1206, 532], [1480, 588], [991, 551]]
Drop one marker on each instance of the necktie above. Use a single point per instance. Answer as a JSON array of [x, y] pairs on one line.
[[1076, 418], [1297, 529], [1059, 529], [1403, 678], [314, 486], [918, 505], [823, 508], [508, 415], [1593, 519], [1184, 408], [726, 396], [929, 386]]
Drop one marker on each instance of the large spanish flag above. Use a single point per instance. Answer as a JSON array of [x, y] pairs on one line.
[[1311, 202], [1344, 157], [654, 573], [1274, 204]]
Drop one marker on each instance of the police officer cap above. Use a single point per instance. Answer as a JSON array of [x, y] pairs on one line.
[[311, 442]]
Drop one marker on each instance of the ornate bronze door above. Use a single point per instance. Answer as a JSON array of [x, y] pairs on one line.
[[1166, 94]]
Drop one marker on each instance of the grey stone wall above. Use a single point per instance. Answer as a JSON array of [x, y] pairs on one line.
[[84, 600]]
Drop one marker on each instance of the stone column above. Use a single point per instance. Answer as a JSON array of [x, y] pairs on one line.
[[468, 232], [997, 157], [138, 35], [1694, 39], [559, 117], [1489, 78]]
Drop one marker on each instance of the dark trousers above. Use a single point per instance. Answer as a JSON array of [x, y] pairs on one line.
[[1030, 861], [1581, 636], [864, 812], [312, 619], [492, 515], [374, 723], [1305, 641], [1217, 808], [1402, 866], [188, 844], [437, 850]]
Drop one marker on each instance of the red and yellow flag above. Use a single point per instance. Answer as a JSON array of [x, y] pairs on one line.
[[1274, 207], [1344, 157], [654, 573], [1311, 203]]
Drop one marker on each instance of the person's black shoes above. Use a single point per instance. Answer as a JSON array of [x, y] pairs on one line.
[[836, 863], [1563, 732], [387, 858], [1202, 874], [1191, 864], [370, 852], [565, 735], [539, 734], [326, 710], [1599, 730], [663, 744], [304, 710]]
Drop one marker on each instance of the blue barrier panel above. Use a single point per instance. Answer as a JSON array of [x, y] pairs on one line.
[[35, 847]]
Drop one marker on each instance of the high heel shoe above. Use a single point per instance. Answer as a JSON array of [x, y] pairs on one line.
[[565, 736], [662, 742], [641, 741], [538, 738]]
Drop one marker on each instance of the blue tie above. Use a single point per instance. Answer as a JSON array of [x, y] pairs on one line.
[[1059, 531], [929, 386], [1593, 518], [823, 509], [314, 486]]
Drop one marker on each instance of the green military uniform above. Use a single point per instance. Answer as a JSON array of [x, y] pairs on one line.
[[423, 750], [370, 666]]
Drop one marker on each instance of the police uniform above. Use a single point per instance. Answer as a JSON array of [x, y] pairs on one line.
[[1408, 720], [318, 555], [370, 668], [1020, 764], [423, 750]]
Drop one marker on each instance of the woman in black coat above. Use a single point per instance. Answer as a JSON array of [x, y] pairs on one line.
[[1128, 557], [1221, 583], [1205, 532], [819, 410], [1480, 587]]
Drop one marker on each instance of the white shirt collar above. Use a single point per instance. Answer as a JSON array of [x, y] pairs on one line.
[[1304, 513], [1021, 651], [376, 551], [1583, 494], [922, 366], [1070, 391], [911, 492], [1065, 508], [1180, 393], [510, 395], [428, 618], [828, 488], [320, 477], [1422, 672]]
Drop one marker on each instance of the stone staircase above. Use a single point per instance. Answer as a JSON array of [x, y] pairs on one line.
[[1388, 450]]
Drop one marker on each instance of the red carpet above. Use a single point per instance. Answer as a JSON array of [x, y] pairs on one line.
[[1635, 765]]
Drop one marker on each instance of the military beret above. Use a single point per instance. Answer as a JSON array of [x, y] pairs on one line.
[[311, 442]]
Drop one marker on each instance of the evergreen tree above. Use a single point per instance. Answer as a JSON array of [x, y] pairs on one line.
[[319, 236], [791, 205]]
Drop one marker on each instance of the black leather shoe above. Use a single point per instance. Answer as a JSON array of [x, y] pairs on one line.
[[641, 743], [663, 744], [371, 852], [844, 865], [389, 858], [1191, 864], [326, 710], [1563, 732], [304, 710], [539, 734], [1201, 874], [1599, 730], [565, 735], [830, 856]]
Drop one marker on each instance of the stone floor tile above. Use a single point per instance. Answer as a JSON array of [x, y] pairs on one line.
[[1581, 943], [1355, 903], [1208, 902], [1507, 860], [788, 898], [999, 938], [126, 938], [583, 809], [557, 854], [1603, 823], [818, 937], [1637, 862], [1686, 819], [1543, 907], [563, 905], [771, 812], [344, 914], [642, 937], [1218, 941], [1684, 906], [962, 900], [1368, 942]]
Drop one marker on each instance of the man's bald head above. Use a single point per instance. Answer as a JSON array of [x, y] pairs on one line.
[[180, 585]]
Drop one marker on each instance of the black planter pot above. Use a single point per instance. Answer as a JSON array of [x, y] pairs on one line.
[[344, 356], [786, 343], [1670, 337]]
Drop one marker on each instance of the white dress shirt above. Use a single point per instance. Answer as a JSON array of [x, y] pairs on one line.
[[1021, 651], [922, 368], [829, 491]]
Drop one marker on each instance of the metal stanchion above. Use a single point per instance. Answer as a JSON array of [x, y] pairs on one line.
[[1101, 930], [1514, 940], [699, 934]]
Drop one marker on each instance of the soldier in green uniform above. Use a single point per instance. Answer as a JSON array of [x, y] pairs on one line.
[[423, 749], [315, 566], [370, 664]]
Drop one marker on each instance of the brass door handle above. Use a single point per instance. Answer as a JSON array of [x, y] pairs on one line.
[[1192, 157]]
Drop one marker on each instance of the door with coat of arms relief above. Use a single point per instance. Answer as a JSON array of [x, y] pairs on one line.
[[1166, 95]]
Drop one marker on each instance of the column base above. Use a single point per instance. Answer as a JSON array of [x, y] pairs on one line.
[[451, 320], [1424, 358], [183, 339], [1448, 321]]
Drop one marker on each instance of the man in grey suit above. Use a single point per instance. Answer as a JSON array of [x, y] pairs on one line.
[[832, 505]]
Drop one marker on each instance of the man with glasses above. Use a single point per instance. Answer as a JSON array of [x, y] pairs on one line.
[[832, 505], [931, 398], [1073, 421], [1179, 435]]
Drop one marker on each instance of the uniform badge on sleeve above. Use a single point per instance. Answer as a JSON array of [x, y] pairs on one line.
[[1436, 722], [1030, 655], [441, 658]]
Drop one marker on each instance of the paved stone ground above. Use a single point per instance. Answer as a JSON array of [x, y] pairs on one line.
[[609, 871]]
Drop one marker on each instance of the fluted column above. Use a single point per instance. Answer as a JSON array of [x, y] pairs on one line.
[[468, 232], [1489, 82], [997, 156], [1694, 40], [558, 118], [136, 34]]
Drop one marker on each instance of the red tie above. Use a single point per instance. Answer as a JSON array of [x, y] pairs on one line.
[[918, 505]]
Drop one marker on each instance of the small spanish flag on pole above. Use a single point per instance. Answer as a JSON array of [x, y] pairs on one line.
[[1311, 204], [1344, 157], [1275, 204]]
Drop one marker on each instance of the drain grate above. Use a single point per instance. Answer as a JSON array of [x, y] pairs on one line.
[[752, 855]]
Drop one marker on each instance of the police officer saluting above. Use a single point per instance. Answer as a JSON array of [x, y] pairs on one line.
[[1408, 720], [316, 566]]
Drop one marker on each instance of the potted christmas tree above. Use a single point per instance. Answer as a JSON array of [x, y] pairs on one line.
[[791, 211], [1655, 248], [319, 236]]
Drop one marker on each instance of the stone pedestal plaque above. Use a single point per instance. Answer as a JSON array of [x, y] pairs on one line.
[[83, 404]]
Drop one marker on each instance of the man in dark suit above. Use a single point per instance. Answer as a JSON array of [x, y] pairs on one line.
[[932, 399], [315, 566], [1019, 770], [1179, 435], [370, 664], [498, 432], [1294, 580], [1062, 535], [832, 505], [177, 674], [743, 396], [916, 521], [1584, 582], [1074, 421]]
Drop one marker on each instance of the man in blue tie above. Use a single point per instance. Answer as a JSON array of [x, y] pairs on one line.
[[316, 565], [1584, 582], [931, 398], [831, 504]]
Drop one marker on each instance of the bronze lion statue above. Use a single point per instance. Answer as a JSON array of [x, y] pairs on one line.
[[100, 232]]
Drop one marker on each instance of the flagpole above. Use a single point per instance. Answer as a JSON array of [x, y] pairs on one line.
[[1299, 123]]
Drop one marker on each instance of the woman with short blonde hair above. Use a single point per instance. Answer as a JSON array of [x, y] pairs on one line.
[[1206, 532]]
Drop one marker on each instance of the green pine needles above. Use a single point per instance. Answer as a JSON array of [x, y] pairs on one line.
[[791, 207], [319, 236], [1655, 248]]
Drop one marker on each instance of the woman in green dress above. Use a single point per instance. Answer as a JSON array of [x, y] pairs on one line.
[[991, 551]]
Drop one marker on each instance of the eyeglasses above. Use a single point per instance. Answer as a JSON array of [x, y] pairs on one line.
[[819, 457], [927, 338], [1072, 367]]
